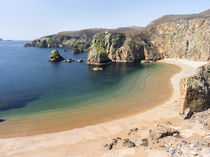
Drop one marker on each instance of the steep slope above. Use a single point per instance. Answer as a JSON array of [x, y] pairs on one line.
[[74, 39], [174, 36], [182, 36], [121, 47]]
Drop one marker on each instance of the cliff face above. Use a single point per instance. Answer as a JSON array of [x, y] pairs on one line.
[[182, 38], [78, 39], [121, 47], [195, 91], [174, 36]]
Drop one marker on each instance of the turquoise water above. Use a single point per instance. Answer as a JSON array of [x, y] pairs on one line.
[[30, 85]]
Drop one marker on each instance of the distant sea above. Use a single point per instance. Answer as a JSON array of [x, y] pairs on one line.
[[37, 96]]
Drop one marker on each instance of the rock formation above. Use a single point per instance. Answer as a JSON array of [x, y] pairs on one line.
[[174, 36], [182, 36], [121, 47], [55, 56], [195, 91], [78, 40], [1, 39]]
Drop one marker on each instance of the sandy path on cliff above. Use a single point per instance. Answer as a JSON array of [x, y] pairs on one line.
[[89, 141]]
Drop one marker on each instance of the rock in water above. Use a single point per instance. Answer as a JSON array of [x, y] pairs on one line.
[[195, 91], [55, 56], [80, 60], [2, 120], [97, 69], [69, 60]]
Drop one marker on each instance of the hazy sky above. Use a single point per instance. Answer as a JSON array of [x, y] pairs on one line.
[[30, 19]]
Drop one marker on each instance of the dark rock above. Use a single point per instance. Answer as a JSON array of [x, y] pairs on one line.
[[161, 131], [80, 60], [128, 143], [144, 142], [133, 130], [69, 60], [2, 120], [112, 143], [188, 113], [65, 50]]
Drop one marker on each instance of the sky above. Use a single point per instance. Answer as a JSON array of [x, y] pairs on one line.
[[31, 19]]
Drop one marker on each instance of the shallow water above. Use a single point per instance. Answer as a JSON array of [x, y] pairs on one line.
[[37, 96]]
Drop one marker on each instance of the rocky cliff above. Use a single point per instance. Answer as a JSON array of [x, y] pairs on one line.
[[182, 36], [71, 39], [121, 47], [174, 36], [79, 41], [195, 91]]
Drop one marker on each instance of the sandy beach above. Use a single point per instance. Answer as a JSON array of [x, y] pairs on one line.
[[89, 141]]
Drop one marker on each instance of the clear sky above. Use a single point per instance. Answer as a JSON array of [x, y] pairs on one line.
[[31, 19]]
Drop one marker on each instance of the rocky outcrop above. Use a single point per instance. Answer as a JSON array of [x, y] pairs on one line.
[[182, 36], [195, 91], [121, 47], [161, 131], [1, 39], [79, 41], [70, 39], [55, 56], [174, 36]]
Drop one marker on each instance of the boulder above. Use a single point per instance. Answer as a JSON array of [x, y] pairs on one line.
[[195, 91], [80, 60], [69, 60], [143, 142], [161, 131], [128, 143], [188, 113], [112, 143], [55, 56]]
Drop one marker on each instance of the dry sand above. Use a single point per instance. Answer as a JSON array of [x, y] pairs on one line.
[[89, 141]]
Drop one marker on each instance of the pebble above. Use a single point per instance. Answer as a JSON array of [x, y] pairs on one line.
[[198, 149], [173, 152], [194, 153], [179, 152]]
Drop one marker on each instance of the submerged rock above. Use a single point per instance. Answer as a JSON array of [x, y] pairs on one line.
[[2, 120], [97, 69], [55, 56]]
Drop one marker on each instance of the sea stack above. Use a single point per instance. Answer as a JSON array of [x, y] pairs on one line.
[[55, 56]]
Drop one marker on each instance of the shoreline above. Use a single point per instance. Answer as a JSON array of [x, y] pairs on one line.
[[79, 142], [134, 94]]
